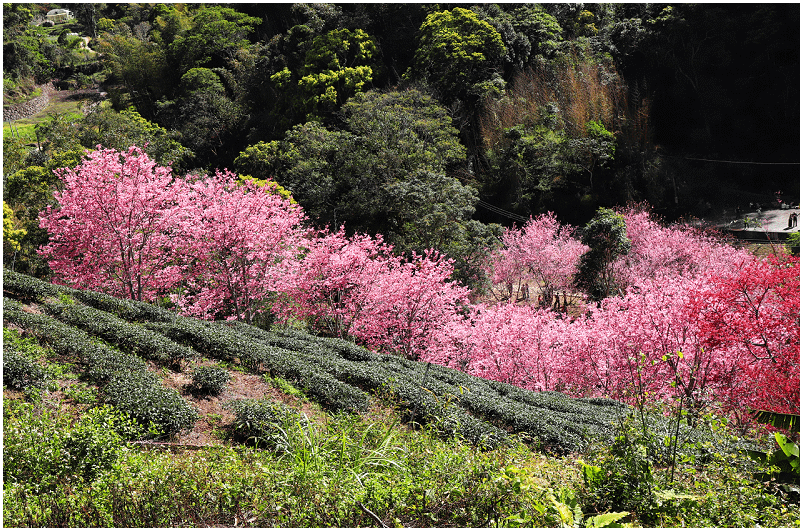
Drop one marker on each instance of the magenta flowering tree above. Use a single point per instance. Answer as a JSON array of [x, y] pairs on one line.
[[335, 280], [641, 346], [112, 229], [753, 318], [410, 305], [541, 256], [239, 241]]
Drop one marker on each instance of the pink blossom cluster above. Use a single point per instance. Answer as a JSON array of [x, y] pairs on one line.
[[698, 320], [355, 287], [541, 258], [129, 228]]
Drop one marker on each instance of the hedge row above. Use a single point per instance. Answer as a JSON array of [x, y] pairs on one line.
[[375, 372], [100, 361], [220, 342], [337, 373], [263, 423], [20, 372], [29, 288], [557, 421], [124, 377], [127, 336], [127, 309]]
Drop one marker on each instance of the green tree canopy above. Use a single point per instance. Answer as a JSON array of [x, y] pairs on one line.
[[200, 79], [338, 64], [388, 172], [458, 54], [120, 130], [216, 34], [606, 235]]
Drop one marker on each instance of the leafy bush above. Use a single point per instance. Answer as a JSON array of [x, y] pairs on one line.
[[97, 440], [214, 342], [100, 361], [793, 243], [32, 445], [209, 380], [142, 396], [11, 304], [129, 386], [19, 372], [28, 288], [124, 308], [223, 343], [130, 337], [261, 422]]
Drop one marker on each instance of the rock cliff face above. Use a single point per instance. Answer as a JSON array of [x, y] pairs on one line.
[[28, 108]]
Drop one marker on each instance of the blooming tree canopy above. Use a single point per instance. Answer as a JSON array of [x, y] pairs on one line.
[[238, 240], [111, 230]]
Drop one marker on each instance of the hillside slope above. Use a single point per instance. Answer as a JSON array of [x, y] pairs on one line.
[[145, 353]]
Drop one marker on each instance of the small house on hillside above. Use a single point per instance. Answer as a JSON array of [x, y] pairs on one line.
[[57, 16]]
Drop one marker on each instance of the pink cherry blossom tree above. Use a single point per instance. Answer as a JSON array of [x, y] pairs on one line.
[[335, 280], [520, 345], [410, 304], [112, 228], [672, 251], [239, 240], [543, 255]]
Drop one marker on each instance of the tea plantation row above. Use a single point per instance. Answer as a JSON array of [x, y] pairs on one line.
[[111, 338]]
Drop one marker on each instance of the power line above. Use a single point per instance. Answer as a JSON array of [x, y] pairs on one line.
[[501, 212], [746, 162]]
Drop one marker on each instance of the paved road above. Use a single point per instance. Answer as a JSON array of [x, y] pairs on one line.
[[775, 220]]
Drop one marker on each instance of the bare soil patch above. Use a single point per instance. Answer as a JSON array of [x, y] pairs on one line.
[[213, 413]]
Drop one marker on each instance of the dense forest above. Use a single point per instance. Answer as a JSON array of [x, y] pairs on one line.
[[428, 123]]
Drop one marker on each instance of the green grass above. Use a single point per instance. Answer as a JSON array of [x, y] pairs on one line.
[[25, 128]]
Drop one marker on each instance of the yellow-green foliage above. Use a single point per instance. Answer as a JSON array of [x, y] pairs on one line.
[[11, 236], [457, 51], [338, 64]]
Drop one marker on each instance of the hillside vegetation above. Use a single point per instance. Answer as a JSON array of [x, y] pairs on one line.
[[399, 264], [370, 438]]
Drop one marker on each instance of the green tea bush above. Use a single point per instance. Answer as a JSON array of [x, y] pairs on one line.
[[127, 309], [100, 361], [11, 304], [28, 288], [262, 422], [332, 393], [94, 444], [142, 396], [557, 421], [224, 343], [215, 342], [129, 337], [209, 380], [20, 369], [19, 372]]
